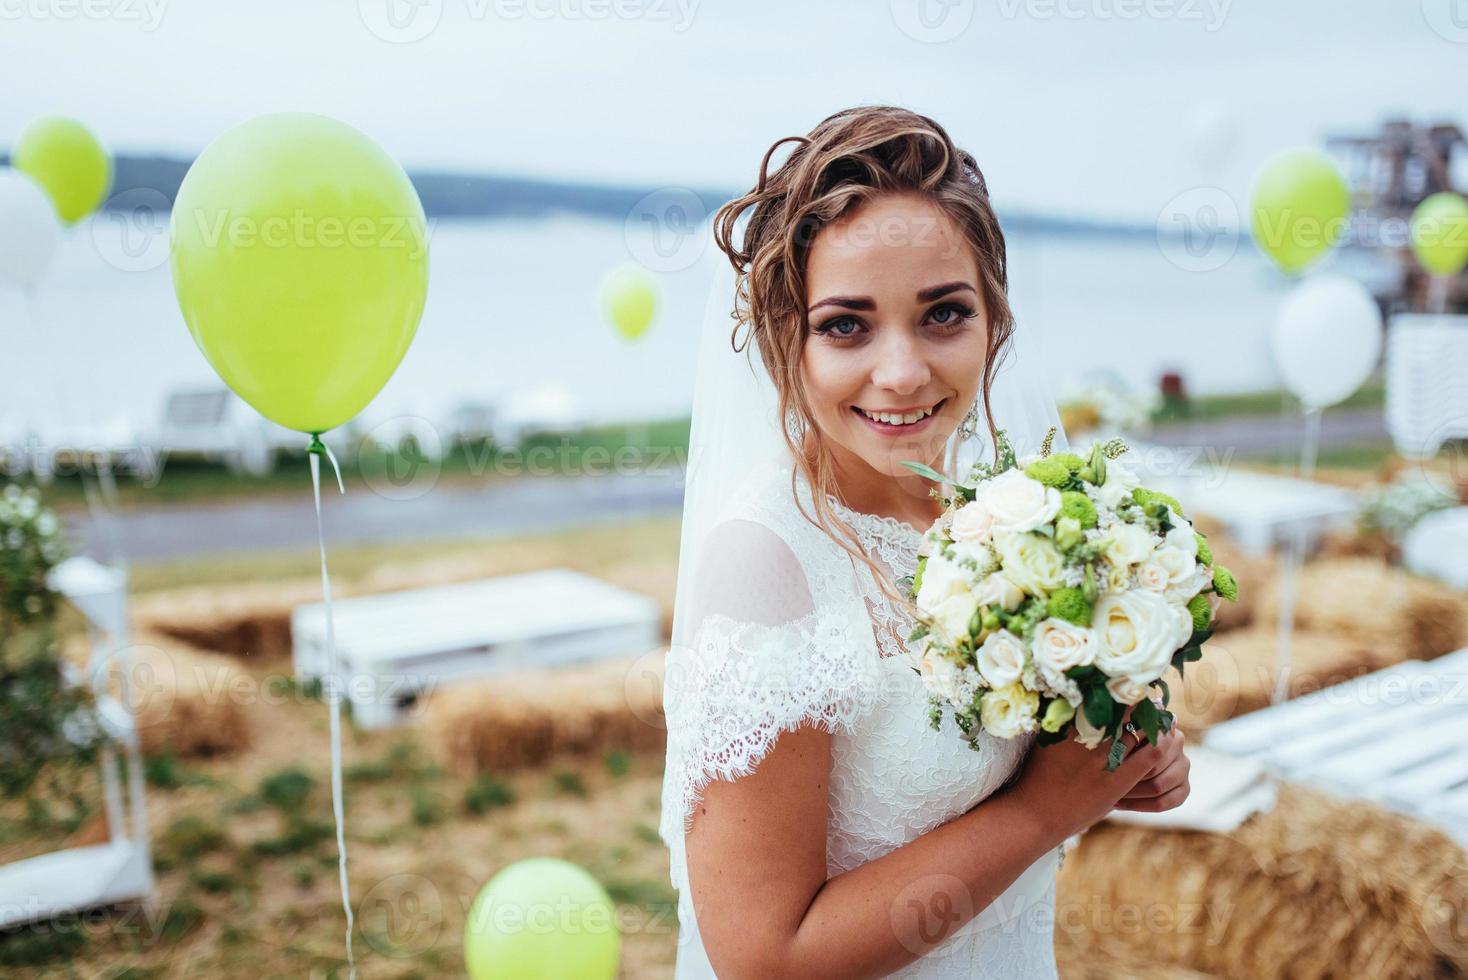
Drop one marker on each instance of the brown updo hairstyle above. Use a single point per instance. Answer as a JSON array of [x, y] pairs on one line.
[[852, 157]]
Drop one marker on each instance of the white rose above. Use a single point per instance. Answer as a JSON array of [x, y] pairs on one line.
[[1126, 690], [940, 675], [1059, 645], [997, 590], [1129, 544], [1184, 631], [1001, 658], [1031, 561], [1017, 503], [1152, 576], [1120, 482], [941, 578], [1182, 537], [952, 615], [1008, 711], [1135, 631], [972, 523], [1086, 733], [1191, 584]]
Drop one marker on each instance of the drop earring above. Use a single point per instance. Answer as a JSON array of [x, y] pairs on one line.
[[970, 423]]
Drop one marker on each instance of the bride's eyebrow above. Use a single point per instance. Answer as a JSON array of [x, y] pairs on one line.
[[937, 292], [848, 302]]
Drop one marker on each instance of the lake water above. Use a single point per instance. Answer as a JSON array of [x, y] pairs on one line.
[[512, 306]]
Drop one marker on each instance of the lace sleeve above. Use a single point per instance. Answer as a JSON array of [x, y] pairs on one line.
[[763, 657]]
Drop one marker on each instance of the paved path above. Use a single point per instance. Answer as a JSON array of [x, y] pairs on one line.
[[541, 503]]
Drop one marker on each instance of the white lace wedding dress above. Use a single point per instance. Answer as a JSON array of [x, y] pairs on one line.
[[789, 629]]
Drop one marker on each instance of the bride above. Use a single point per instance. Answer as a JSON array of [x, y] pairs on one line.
[[818, 825]]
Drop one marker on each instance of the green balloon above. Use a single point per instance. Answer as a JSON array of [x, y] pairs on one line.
[[67, 160], [300, 261], [542, 919], [1440, 233], [1300, 206], [629, 299]]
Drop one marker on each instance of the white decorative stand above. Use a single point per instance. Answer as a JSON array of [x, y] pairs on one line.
[[72, 880]]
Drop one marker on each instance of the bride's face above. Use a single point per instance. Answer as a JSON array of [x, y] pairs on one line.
[[898, 332]]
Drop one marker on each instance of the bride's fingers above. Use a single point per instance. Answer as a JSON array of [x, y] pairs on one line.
[[1156, 804], [1161, 783]]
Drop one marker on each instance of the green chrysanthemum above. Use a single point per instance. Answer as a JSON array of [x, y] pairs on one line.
[[1202, 611], [1075, 504], [1205, 553], [1071, 461], [1225, 583], [1070, 605], [1144, 497], [1049, 471]]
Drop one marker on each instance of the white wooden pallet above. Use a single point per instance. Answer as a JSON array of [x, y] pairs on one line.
[[1397, 737], [392, 648]]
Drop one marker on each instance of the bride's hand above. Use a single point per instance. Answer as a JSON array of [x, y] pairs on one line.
[[1166, 786], [1067, 785]]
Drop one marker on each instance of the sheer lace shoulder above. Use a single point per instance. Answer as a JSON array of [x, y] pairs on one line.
[[769, 642]]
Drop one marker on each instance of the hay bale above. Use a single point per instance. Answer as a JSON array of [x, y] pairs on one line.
[[1317, 888], [187, 702], [524, 718], [1236, 674], [251, 620], [1107, 958], [1416, 618]]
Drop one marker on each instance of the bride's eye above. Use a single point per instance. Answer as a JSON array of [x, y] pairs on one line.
[[950, 316], [839, 328]]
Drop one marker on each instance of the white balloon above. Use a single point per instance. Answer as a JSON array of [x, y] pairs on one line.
[[29, 229], [1327, 339]]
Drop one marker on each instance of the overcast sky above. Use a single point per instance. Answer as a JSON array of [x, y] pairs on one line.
[[1071, 106]]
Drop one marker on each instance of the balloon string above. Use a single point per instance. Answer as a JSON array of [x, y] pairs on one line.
[[333, 690], [1294, 558]]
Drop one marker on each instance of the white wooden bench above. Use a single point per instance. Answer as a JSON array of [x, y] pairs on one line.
[[393, 648], [1398, 737]]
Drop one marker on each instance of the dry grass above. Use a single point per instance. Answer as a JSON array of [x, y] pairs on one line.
[[1316, 888]]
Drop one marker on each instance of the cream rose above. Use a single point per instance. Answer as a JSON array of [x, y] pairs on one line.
[[940, 675], [1031, 561], [1129, 544], [1008, 711], [1136, 632], [972, 524], [951, 617], [1001, 658], [1059, 645], [1017, 503], [1126, 690], [1152, 576], [997, 590]]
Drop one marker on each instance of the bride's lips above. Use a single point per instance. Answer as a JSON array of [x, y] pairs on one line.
[[887, 429]]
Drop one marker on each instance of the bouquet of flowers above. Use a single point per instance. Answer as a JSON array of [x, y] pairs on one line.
[[1054, 593]]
